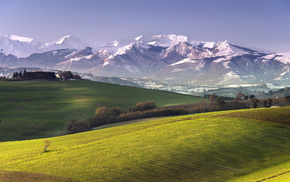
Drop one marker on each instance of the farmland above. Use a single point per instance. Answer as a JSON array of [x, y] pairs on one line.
[[37, 109], [243, 145]]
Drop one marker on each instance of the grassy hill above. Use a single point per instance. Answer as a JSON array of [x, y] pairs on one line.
[[245, 145], [35, 109]]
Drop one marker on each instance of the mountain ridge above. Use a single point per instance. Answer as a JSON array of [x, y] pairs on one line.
[[171, 58]]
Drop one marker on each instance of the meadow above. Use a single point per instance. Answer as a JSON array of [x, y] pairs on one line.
[[37, 109], [243, 145]]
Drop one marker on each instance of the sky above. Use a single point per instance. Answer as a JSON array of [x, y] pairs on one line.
[[263, 24]]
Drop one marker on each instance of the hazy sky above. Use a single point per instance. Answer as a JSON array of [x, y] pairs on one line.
[[263, 24]]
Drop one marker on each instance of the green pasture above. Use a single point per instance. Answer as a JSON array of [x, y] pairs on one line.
[[244, 145], [35, 109]]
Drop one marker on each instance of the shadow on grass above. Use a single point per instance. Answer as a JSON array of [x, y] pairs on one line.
[[9, 176]]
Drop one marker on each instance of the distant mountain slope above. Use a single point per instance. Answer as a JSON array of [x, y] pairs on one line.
[[170, 58]]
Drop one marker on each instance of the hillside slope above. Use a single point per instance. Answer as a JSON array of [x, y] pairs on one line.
[[35, 109], [218, 146]]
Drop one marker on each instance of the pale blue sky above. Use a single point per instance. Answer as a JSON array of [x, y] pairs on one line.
[[263, 24]]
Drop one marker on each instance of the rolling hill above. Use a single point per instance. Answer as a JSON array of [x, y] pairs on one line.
[[36, 109], [244, 145]]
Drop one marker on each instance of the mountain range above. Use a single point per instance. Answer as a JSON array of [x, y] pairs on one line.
[[169, 58]]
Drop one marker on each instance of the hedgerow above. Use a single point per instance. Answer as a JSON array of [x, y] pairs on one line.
[[147, 109]]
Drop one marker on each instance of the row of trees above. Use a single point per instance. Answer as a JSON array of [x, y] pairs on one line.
[[148, 109], [219, 100], [20, 74], [104, 115], [34, 75]]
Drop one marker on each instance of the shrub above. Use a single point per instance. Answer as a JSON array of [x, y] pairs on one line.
[[102, 115], [77, 126], [143, 106], [105, 116]]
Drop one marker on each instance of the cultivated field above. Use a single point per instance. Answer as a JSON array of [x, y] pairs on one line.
[[35, 109], [245, 145]]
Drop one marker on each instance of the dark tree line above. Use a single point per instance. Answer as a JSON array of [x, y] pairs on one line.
[[148, 109], [34, 75]]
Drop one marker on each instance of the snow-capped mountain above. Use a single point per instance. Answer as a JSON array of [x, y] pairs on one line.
[[66, 42], [18, 46], [162, 40], [170, 58], [22, 47]]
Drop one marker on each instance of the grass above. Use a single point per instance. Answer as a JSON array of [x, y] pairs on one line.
[[36, 109], [217, 146]]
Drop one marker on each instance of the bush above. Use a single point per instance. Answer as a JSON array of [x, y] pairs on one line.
[[77, 126], [105, 116], [143, 106], [148, 109]]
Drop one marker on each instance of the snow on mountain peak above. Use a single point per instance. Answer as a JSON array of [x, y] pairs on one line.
[[124, 49], [169, 40], [18, 46], [138, 38], [114, 43], [62, 39], [163, 40], [281, 57], [19, 38], [209, 45], [66, 42]]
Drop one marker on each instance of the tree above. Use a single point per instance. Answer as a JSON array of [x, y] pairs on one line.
[[143, 106], [77, 126], [15, 75], [212, 97], [269, 100], [265, 103], [240, 96], [20, 75], [102, 115], [24, 73], [287, 98], [255, 102], [220, 102]]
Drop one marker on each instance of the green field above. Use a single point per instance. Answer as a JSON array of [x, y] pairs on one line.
[[245, 145], [35, 109]]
